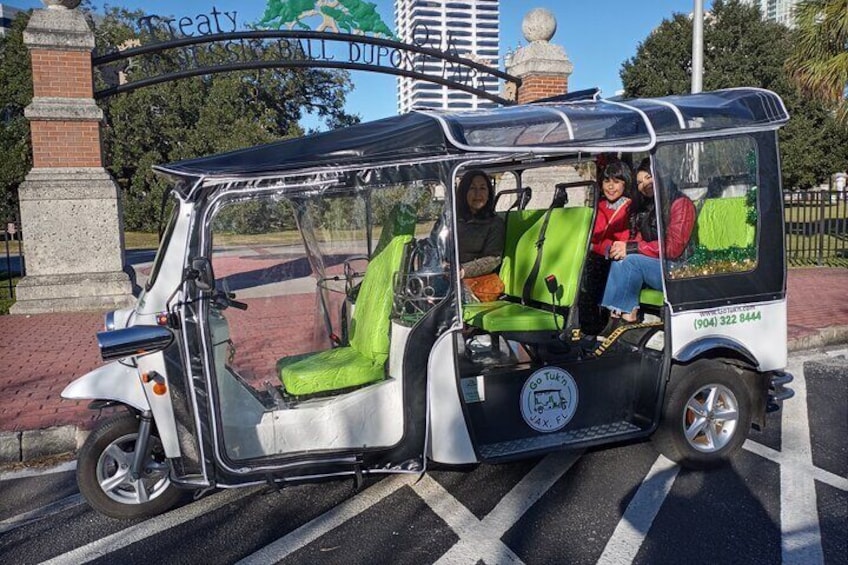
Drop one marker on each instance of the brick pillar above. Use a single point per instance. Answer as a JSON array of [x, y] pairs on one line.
[[70, 217], [543, 67]]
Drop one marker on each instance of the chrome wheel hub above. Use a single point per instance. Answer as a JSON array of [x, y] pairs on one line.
[[116, 480], [710, 418]]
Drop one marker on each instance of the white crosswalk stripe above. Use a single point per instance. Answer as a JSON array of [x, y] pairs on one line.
[[631, 530], [480, 539], [799, 519], [316, 528]]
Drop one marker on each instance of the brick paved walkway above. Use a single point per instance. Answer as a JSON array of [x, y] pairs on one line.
[[41, 354]]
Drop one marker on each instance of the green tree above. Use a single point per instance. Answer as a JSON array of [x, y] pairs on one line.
[[740, 49], [15, 94], [170, 121], [202, 115], [818, 62]]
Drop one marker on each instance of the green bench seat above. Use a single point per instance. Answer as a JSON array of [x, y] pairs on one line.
[[563, 253], [722, 223], [363, 361]]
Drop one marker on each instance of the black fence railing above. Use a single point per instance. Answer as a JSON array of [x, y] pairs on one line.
[[11, 261], [816, 228]]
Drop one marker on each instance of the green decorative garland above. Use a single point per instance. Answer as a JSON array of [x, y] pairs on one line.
[[705, 262]]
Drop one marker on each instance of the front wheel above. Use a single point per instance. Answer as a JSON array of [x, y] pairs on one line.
[[104, 477], [706, 414]]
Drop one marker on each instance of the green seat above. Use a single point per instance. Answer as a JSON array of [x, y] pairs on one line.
[[723, 223], [651, 297], [363, 361], [563, 253]]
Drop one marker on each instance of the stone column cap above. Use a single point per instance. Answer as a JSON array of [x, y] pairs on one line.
[[540, 57], [66, 109], [61, 29]]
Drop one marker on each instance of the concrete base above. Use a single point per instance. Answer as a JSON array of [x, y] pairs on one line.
[[73, 293], [73, 242]]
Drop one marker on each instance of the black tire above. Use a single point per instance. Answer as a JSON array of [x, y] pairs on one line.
[[718, 428], [107, 452]]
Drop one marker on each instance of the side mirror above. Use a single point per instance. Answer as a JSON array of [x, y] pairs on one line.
[[201, 272], [134, 340]]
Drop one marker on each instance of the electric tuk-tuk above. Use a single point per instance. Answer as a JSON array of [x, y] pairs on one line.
[[304, 317]]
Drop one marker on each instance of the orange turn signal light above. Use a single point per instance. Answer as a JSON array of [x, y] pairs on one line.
[[160, 389]]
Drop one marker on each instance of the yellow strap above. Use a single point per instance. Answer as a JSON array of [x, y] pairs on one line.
[[610, 339]]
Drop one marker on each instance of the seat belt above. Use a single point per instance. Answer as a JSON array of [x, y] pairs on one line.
[[534, 272]]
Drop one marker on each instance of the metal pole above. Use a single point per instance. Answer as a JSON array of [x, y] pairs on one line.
[[698, 47], [9, 265]]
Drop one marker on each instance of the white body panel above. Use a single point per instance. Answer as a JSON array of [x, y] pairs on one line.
[[160, 405], [109, 382], [449, 440], [371, 416], [760, 328]]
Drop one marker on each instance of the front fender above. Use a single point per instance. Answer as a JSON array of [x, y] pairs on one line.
[[109, 382]]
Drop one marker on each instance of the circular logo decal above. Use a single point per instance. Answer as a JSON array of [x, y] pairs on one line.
[[549, 399]]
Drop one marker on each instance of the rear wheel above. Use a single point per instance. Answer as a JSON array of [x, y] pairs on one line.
[[706, 415], [104, 477]]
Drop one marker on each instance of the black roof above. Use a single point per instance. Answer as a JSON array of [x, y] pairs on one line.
[[550, 127]]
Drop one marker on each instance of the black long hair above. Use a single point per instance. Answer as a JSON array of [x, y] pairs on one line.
[[643, 209], [617, 169], [462, 196], [641, 206]]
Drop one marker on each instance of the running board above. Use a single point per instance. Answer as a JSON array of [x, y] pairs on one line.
[[554, 440]]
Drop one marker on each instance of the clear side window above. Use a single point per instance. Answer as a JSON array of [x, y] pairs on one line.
[[298, 265], [720, 178]]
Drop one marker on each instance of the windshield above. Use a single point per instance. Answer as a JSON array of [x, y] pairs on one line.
[[163, 246]]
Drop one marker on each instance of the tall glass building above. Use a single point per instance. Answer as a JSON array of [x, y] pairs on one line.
[[467, 28], [7, 14], [780, 11]]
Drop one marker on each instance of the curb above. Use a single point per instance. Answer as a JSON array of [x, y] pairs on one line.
[[834, 335], [32, 445]]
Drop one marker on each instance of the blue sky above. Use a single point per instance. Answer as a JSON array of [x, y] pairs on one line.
[[597, 35]]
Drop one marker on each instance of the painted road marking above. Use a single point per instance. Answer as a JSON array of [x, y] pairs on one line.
[[799, 518], [476, 542], [480, 539], [330, 520], [40, 513], [151, 527], [633, 527], [787, 460]]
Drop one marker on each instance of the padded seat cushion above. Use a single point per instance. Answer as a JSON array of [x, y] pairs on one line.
[[334, 369], [363, 361], [723, 223], [563, 253], [502, 317], [651, 297]]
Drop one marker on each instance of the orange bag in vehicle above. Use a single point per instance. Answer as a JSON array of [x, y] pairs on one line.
[[487, 288]]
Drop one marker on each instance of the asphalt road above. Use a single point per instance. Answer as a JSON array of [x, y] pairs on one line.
[[784, 498]]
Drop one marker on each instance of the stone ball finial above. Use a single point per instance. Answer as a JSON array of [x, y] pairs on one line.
[[54, 4], [538, 25]]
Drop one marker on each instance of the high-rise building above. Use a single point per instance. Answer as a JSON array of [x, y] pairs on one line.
[[780, 11], [7, 14], [467, 28]]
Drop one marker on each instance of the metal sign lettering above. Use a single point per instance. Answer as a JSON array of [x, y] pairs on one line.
[[171, 48]]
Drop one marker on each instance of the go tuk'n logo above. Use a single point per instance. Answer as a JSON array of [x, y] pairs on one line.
[[549, 399]]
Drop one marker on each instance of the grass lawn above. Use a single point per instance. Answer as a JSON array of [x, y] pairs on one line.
[[812, 212], [6, 300]]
